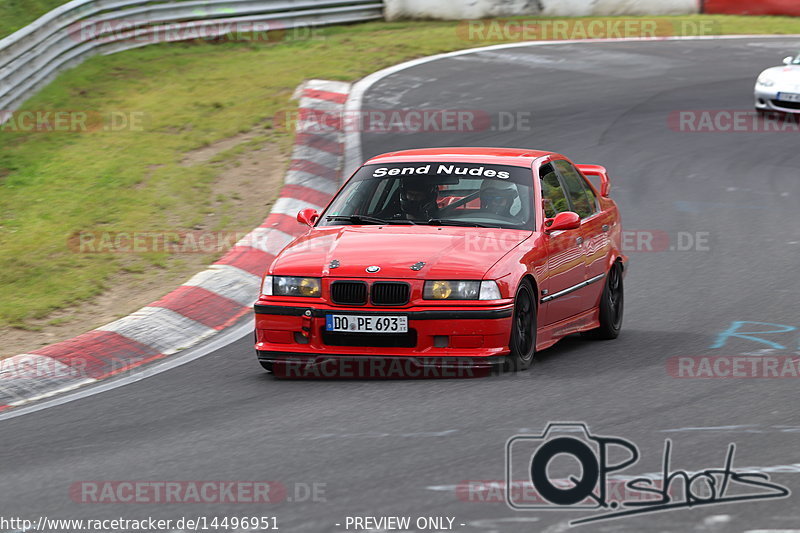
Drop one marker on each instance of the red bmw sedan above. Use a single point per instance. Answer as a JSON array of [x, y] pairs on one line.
[[448, 256]]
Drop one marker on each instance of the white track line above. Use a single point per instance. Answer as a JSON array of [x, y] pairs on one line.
[[222, 340]]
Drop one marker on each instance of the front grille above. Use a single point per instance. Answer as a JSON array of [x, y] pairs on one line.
[[786, 105], [349, 292], [371, 340], [389, 293]]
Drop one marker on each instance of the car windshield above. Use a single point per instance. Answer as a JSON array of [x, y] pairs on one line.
[[446, 194]]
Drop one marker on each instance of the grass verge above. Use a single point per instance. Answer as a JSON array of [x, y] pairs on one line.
[[14, 14]]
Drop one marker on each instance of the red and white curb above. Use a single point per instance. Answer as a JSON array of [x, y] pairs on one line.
[[210, 301]]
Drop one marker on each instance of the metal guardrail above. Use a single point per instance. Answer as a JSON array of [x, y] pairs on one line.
[[31, 57]]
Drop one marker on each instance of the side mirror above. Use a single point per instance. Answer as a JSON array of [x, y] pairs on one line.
[[600, 172], [307, 216], [563, 221], [788, 60]]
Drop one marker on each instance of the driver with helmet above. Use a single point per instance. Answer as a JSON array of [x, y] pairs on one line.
[[497, 197], [418, 200]]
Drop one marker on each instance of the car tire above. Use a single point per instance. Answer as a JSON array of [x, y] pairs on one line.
[[523, 330], [611, 306]]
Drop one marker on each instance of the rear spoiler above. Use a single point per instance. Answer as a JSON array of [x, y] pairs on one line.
[[600, 172]]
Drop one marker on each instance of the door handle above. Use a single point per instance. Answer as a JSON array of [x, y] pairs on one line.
[[605, 227], [579, 240]]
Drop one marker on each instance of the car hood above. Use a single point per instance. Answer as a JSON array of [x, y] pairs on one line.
[[447, 252], [788, 76]]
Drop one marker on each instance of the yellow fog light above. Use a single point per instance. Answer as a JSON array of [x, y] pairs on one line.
[[441, 290], [309, 287], [296, 286], [460, 290]]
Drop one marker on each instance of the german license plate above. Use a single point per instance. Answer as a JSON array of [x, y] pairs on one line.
[[366, 323], [789, 97]]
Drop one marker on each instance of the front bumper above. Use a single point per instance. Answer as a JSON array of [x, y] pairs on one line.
[[440, 336], [766, 99]]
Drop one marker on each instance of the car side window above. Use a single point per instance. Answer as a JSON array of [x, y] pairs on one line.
[[553, 198], [580, 195], [591, 197]]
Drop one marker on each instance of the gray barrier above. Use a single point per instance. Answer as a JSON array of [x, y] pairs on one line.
[[31, 57]]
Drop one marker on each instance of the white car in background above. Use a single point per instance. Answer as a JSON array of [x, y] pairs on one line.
[[778, 88]]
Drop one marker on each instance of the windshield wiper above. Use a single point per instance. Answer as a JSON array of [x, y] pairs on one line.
[[365, 219], [447, 222]]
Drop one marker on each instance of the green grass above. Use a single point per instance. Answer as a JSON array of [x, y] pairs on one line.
[[15, 14], [54, 184]]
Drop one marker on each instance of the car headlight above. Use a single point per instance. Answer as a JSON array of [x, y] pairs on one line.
[[461, 290], [765, 81], [291, 286]]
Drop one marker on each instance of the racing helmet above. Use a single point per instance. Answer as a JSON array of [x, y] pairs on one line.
[[418, 197], [498, 197]]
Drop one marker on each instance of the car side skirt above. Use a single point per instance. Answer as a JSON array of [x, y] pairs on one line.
[[551, 334]]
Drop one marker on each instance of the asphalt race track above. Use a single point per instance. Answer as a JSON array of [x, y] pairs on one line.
[[402, 447]]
